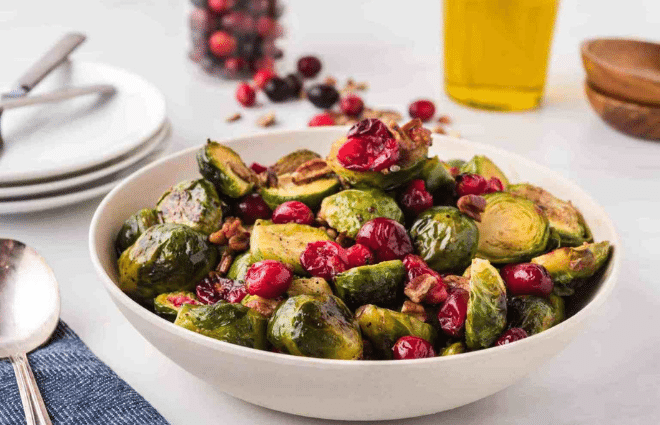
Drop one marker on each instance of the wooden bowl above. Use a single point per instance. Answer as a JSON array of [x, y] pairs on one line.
[[630, 118], [626, 69]]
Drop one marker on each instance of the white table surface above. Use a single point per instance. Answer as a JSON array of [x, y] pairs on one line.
[[611, 374]]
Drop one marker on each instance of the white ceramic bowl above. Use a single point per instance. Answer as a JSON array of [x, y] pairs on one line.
[[335, 389]]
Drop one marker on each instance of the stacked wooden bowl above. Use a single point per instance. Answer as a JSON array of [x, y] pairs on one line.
[[623, 84]]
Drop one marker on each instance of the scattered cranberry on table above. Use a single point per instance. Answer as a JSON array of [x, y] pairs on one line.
[[527, 279], [324, 259], [252, 207], [262, 77], [309, 66], [323, 96], [512, 335], [294, 84], [246, 95], [277, 89], [268, 278], [352, 105], [453, 312], [386, 238], [321, 119], [412, 347], [359, 255], [422, 109], [293, 212], [416, 199]]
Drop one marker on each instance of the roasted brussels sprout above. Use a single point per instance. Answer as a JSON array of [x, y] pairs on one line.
[[535, 314], [291, 161], [378, 284], [168, 305], [383, 327], [134, 227], [225, 169], [483, 166], [456, 163], [348, 210], [240, 266], [446, 239], [455, 348], [165, 258], [310, 194], [486, 314], [315, 326], [512, 229], [565, 220], [194, 203], [309, 286], [283, 242], [569, 265], [233, 323], [436, 176]]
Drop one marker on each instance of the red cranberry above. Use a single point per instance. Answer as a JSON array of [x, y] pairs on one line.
[[470, 184], [412, 347], [252, 207], [214, 288], [235, 65], [277, 89], [258, 168], [324, 259], [309, 66], [206, 293], [220, 6], [262, 77], [422, 109], [352, 105], [268, 278], [494, 185], [240, 22], [451, 315], [245, 94], [322, 119], [370, 127], [415, 266], [437, 294], [370, 147], [293, 212], [179, 300], [222, 44], [512, 335], [386, 238], [416, 199], [266, 26], [359, 255], [323, 96], [527, 279], [294, 83]]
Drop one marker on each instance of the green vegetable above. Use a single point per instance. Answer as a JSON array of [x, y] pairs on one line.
[[348, 210], [291, 161], [483, 166], [455, 348], [383, 327], [233, 323], [168, 305], [436, 176], [569, 265], [309, 286], [486, 314], [535, 314], [446, 239], [378, 284], [194, 203], [512, 229], [310, 194], [165, 258], [225, 169], [240, 266], [315, 326], [283, 242], [455, 163], [565, 220], [134, 227]]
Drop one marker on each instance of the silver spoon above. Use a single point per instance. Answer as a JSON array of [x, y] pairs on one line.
[[29, 312]]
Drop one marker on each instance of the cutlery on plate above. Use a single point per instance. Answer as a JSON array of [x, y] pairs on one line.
[[56, 96], [30, 302]]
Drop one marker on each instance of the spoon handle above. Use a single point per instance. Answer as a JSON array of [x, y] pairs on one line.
[[33, 404]]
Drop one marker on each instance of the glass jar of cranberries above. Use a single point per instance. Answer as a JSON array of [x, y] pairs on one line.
[[235, 38]]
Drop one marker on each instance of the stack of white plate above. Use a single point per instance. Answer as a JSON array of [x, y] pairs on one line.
[[72, 151]]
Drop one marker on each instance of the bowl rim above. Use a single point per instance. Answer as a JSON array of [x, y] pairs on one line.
[[527, 344], [587, 53]]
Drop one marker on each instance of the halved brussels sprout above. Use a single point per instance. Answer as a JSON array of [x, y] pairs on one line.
[[565, 220], [240, 266], [535, 314], [456, 163], [291, 161], [348, 210], [455, 348], [436, 176], [446, 239], [168, 305], [134, 227], [482, 165], [194, 203], [283, 242], [378, 284], [225, 169], [310, 194], [568, 265], [233, 323], [486, 314], [315, 326], [384, 327], [309, 286], [165, 258], [511, 230]]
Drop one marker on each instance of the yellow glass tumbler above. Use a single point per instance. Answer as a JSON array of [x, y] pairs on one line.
[[496, 51]]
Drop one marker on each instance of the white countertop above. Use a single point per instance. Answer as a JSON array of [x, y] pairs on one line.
[[611, 374]]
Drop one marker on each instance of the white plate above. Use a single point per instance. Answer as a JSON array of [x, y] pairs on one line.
[[84, 192], [55, 139], [72, 181]]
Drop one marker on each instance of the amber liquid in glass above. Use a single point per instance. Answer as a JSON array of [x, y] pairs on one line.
[[496, 51]]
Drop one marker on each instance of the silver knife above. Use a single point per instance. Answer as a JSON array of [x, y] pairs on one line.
[[56, 96]]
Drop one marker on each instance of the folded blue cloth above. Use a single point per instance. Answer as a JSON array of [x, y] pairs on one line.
[[76, 386]]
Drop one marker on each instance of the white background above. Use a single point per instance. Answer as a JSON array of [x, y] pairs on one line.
[[610, 374]]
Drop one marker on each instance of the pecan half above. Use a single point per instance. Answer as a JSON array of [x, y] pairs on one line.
[[414, 309], [233, 117], [265, 306], [417, 288], [311, 170], [454, 281], [232, 233], [472, 206], [239, 243]]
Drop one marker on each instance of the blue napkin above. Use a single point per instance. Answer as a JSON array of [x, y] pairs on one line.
[[76, 386]]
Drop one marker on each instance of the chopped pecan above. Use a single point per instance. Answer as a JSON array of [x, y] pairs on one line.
[[439, 129], [343, 240], [414, 309], [233, 117], [330, 80], [454, 281], [232, 233], [266, 120], [352, 86], [415, 131], [320, 222], [417, 288], [472, 206], [225, 262], [444, 119], [265, 306], [240, 242], [311, 170], [331, 232], [271, 178]]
